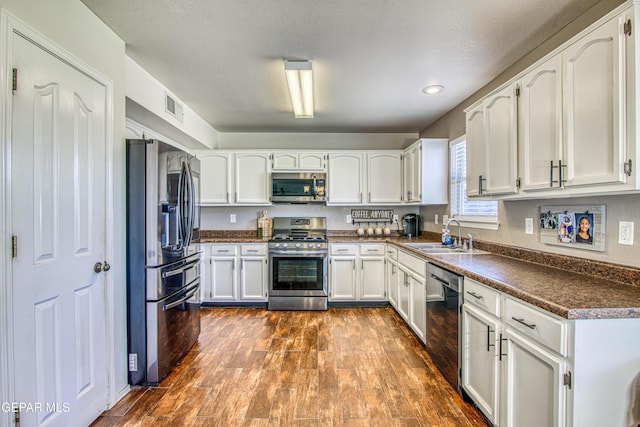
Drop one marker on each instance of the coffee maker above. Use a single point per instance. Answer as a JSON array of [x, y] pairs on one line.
[[411, 225]]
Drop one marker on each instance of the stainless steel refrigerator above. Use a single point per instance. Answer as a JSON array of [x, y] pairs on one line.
[[163, 264]]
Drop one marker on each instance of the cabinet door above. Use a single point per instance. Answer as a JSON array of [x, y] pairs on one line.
[[406, 175], [476, 151], [402, 306], [417, 310], [384, 178], [540, 126], [312, 161], [480, 364], [345, 178], [533, 394], [284, 161], [252, 178], [342, 273], [415, 160], [500, 124], [253, 278], [594, 83], [215, 178], [372, 276], [222, 274], [392, 282]]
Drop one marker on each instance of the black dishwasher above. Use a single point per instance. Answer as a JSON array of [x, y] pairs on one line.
[[443, 328]]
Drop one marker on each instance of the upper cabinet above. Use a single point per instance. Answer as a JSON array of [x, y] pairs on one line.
[[384, 178], [345, 178], [215, 178], [425, 175], [295, 161], [252, 178], [492, 144], [575, 127]]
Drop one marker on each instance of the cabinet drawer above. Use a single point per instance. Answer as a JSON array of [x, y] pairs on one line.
[[254, 250], [481, 296], [339, 249], [372, 250], [417, 265], [542, 327], [392, 252], [224, 250]]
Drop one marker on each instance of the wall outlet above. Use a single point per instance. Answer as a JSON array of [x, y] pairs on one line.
[[625, 233], [232, 218], [395, 219], [435, 219], [528, 226], [349, 220]]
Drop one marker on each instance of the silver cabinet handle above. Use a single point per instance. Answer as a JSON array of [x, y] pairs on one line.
[[473, 294], [252, 250], [489, 345], [522, 322]]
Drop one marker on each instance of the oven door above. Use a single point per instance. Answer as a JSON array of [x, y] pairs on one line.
[[298, 274]]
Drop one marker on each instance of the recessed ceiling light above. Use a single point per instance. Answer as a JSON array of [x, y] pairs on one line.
[[430, 90]]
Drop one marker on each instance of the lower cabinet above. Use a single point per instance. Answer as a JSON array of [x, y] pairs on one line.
[[524, 366], [236, 273], [392, 275], [357, 272], [412, 293]]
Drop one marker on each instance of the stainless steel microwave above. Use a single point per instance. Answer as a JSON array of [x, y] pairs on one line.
[[297, 187]]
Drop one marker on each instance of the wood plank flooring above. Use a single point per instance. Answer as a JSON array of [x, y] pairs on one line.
[[341, 367]]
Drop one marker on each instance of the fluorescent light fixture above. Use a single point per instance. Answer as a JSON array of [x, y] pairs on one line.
[[430, 90], [300, 81]]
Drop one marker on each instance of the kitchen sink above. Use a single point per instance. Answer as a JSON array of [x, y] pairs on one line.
[[437, 248]]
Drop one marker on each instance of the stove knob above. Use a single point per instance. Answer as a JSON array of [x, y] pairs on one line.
[[310, 245], [277, 245], [297, 245], [318, 245], [284, 245]]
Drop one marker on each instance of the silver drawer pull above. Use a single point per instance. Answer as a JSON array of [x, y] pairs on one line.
[[222, 250], [372, 250], [342, 250], [473, 294], [522, 322], [252, 250]]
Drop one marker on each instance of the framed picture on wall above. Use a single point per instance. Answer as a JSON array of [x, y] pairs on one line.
[[579, 227]]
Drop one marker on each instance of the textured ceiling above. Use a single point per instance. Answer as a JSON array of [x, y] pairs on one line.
[[371, 58]]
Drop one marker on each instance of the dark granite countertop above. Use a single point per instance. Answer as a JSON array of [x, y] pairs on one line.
[[568, 294]]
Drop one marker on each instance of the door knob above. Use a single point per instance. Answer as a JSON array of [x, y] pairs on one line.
[[101, 266]]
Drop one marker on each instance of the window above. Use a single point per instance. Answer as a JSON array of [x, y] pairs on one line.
[[475, 213]]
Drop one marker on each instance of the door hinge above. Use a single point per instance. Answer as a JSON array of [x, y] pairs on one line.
[[14, 246], [517, 91], [627, 27], [16, 417], [627, 167], [567, 379], [518, 183], [14, 80]]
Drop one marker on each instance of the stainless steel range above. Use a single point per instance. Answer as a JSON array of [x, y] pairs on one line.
[[298, 257]]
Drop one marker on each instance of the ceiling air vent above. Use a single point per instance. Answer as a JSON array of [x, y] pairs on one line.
[[173, 107]]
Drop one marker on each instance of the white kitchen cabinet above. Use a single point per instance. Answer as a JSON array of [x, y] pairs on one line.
[[412, 302], [540, 126], [252, 179], [500, 123], [480, 360], [345, 179], [215, 177], [418, 309], [357, 272], [402, 306], [476, 148], [534, 393], [392, 275], [425, 167], [372, 272], [236, 273], [595, 123], [384, 178], [298, 161]]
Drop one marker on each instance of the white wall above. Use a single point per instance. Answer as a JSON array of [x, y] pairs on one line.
[[71, 25], [217, 218]]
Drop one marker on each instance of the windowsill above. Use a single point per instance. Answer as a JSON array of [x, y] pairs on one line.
[[484, 224]]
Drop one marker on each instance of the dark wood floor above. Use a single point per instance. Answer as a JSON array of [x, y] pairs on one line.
[[341, 367]]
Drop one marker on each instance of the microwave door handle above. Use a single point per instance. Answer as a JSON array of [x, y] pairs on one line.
[[314, 189]]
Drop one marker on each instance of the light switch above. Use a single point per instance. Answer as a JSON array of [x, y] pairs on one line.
[[435, 220], [625, 233], [528, 226], [232, 218], [349, 219]]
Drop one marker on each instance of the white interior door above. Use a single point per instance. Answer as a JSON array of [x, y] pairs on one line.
[[58, 215]]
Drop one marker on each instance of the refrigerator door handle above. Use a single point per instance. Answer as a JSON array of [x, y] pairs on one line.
[[181, 300], [192, 204]]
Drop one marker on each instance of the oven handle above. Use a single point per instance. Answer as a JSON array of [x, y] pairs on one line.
[[181, 300], [299, 254]]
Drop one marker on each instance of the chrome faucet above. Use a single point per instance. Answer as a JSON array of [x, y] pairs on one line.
[[446, 227]]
